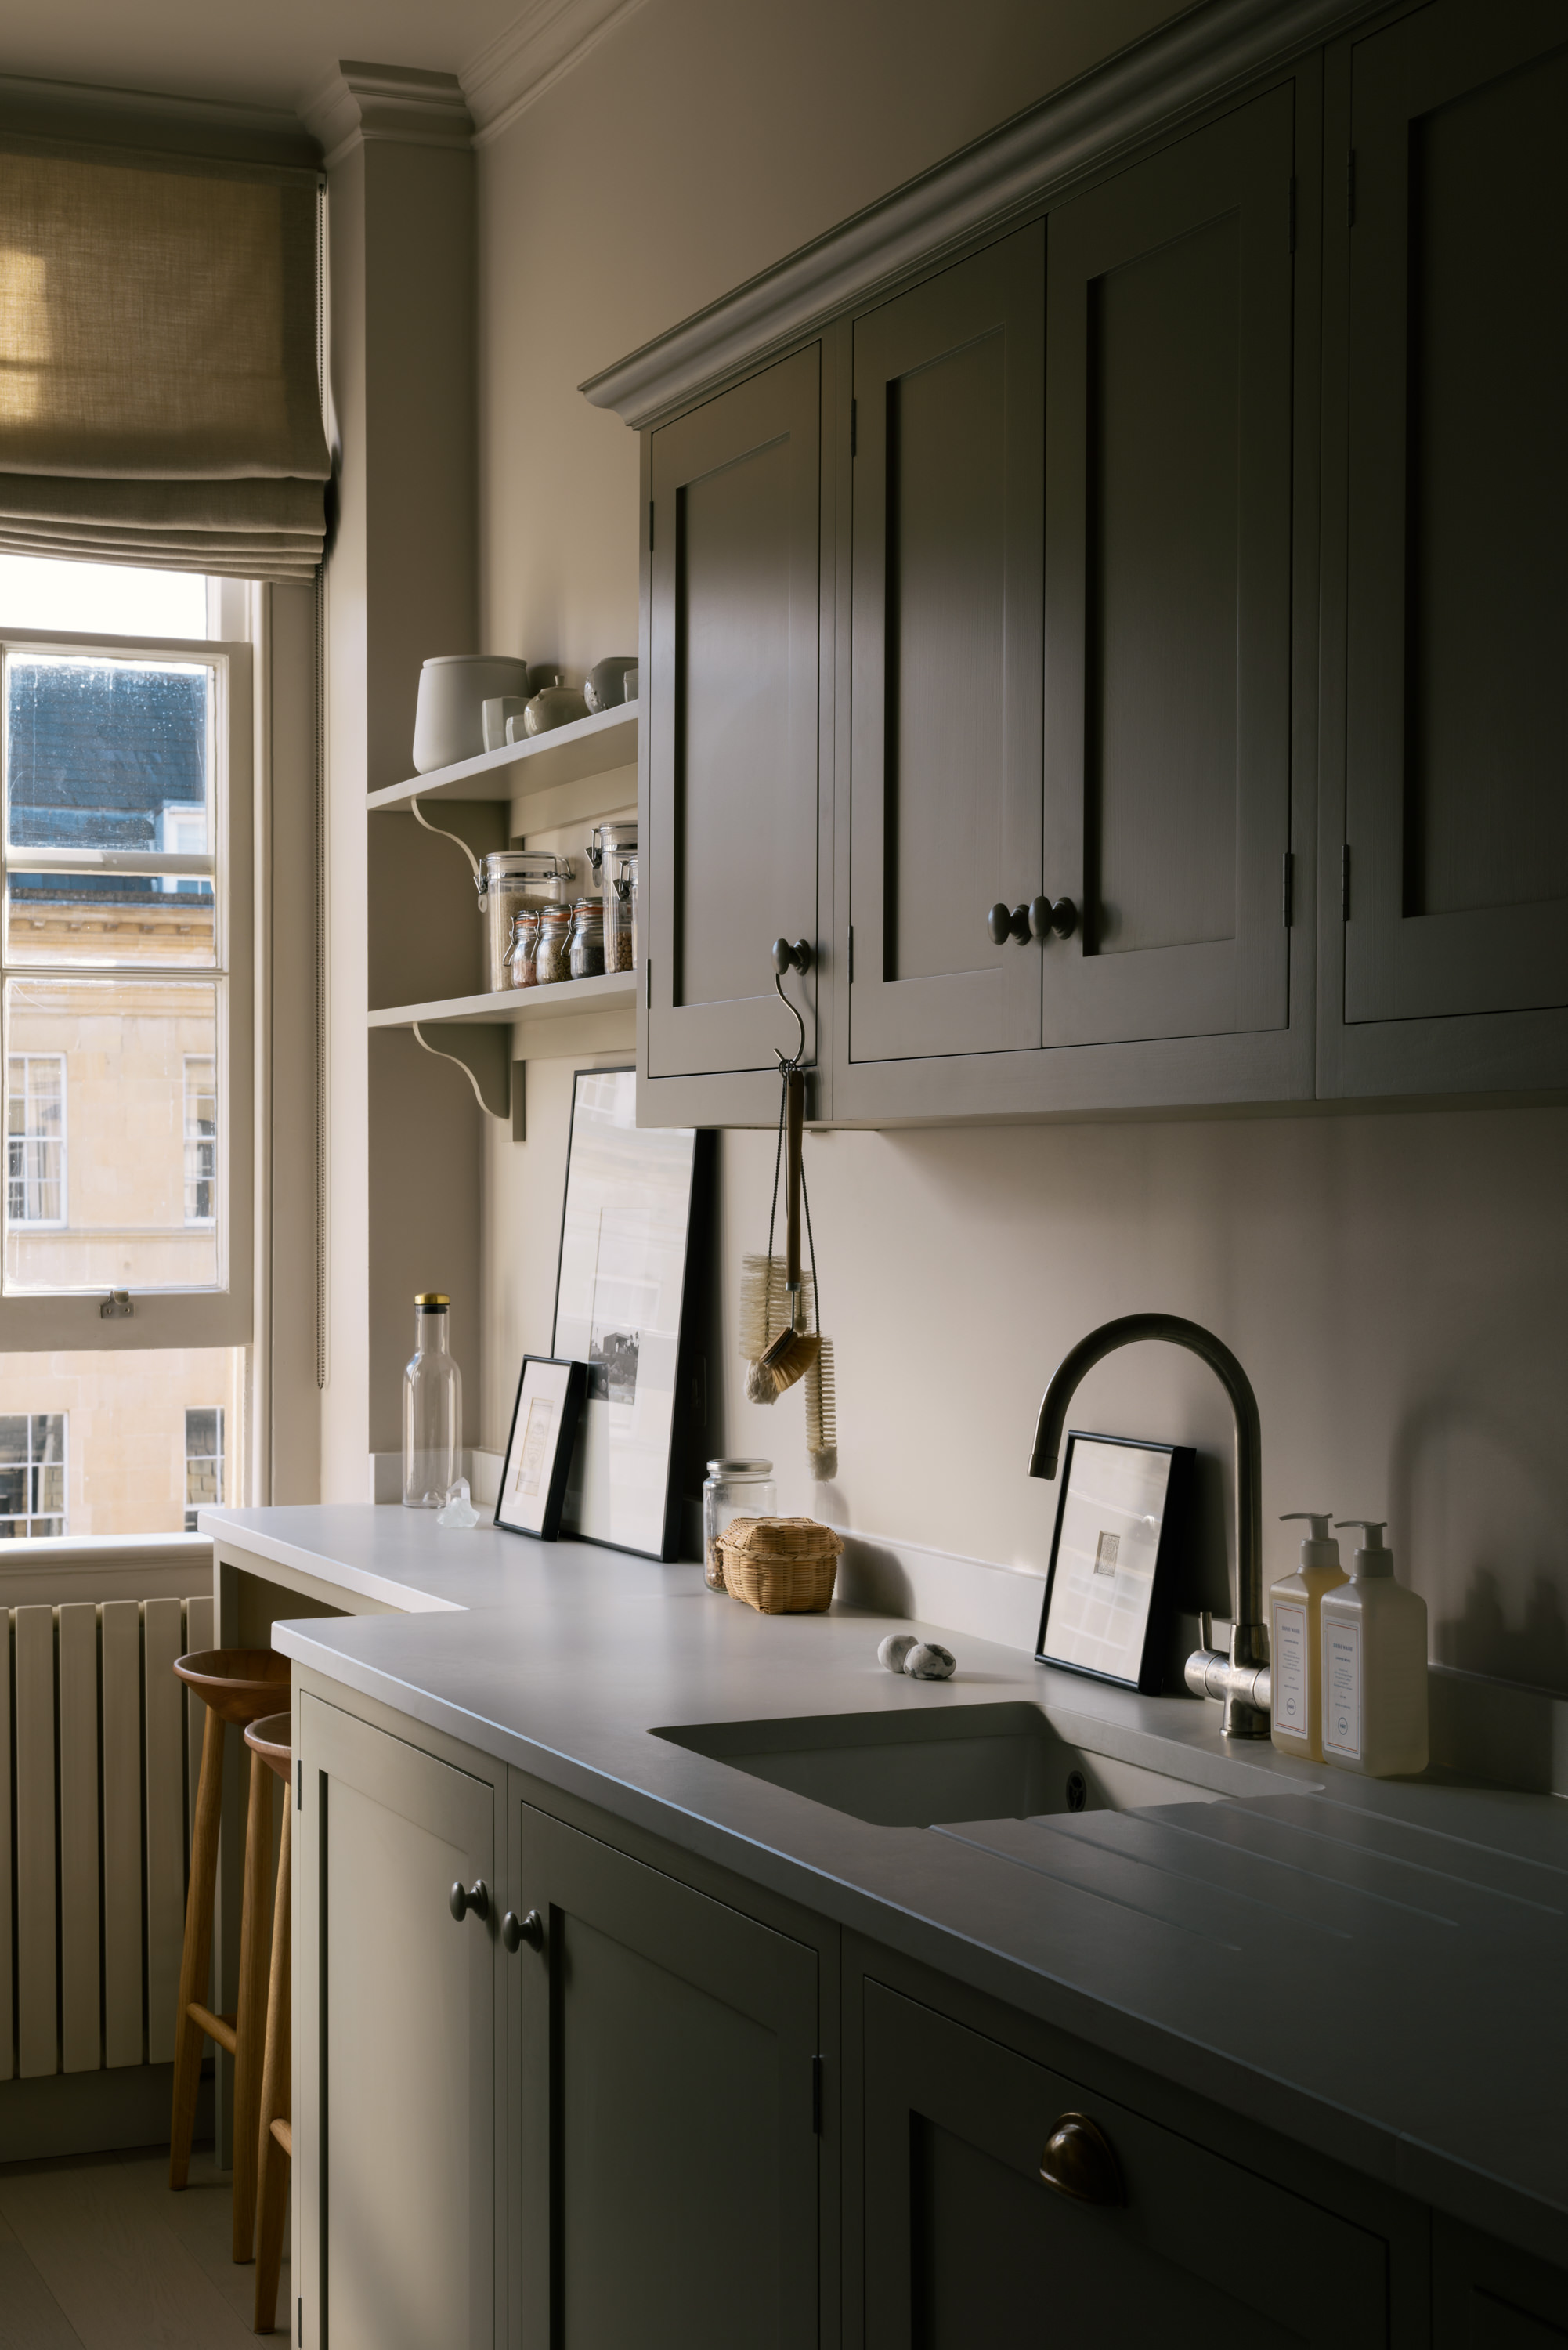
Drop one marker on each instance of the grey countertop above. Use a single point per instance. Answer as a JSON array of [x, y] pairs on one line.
[[1378, 1969]]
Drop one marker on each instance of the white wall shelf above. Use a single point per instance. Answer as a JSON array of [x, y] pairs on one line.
[[567, 754], [545, 1023]]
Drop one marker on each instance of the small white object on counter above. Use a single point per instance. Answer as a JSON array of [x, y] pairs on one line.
[[895, 1648], [923, 1660], [457, 1509]]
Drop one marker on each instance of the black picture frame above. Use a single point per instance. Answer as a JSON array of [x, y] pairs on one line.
[[1132, 1632], [565, 1393]]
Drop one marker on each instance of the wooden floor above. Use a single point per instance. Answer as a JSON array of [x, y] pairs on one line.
[[95, 2252]]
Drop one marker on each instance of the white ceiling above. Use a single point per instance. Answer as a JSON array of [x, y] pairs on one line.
[[257, 52]]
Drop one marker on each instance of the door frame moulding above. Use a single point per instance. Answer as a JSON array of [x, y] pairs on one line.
[[1209, 53]]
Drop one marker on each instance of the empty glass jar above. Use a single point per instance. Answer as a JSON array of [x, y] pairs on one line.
[[732, 1489]]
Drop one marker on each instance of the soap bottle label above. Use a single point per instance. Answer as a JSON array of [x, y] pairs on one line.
[[1291, 1669], [1341, 1689]]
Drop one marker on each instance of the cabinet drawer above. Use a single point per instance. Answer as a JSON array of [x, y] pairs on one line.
[[965, 2244]]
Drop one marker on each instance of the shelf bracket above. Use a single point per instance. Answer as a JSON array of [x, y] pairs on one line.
[[483, 1054], [445, 832]]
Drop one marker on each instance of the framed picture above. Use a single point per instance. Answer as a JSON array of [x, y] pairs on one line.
[[621, 1306], [1118, 1522], [539, 1448]]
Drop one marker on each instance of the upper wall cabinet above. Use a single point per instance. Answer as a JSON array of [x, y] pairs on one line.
[[730, 844], [1452, 918]]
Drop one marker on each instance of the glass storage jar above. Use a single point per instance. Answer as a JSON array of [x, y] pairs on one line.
[[550, 962], [620, 916], [609, 844], [520, 971], [509, 881], [587, 950], [732, 1489]]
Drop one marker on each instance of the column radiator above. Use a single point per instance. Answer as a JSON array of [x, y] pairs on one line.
[[100, 1751]]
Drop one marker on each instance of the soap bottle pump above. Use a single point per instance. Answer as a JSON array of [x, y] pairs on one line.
[[1296, 1722], [1374, 1666]]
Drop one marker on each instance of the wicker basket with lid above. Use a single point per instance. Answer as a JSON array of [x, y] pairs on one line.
[[780, 1566]]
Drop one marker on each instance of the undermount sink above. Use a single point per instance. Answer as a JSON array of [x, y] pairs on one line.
[[917, 1769]]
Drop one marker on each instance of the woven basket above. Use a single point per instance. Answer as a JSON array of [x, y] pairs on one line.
[[780, 1566]]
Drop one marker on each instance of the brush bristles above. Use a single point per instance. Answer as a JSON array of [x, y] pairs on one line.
[[822, 1416], [790, 1356], [765, 1304]]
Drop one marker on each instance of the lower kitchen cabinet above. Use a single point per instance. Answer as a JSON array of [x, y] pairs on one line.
[[964, 2243], [400, 2021], [1487, 2296], [667, 2104]]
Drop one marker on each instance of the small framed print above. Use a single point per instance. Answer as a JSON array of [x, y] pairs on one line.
[[1119, 1521], [539, 1448]]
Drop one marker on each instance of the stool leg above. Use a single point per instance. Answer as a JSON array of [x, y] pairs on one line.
[[197, 1955], [250, 2027], [272, 2163]]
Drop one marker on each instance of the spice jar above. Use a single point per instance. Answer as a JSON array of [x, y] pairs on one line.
[[620, 916], [732, 1489], [520, 971], [509, 879], [587, 950], [550, 959]]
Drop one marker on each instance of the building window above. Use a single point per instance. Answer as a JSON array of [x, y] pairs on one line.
[[31, 1474], [201, 1138], [203, 1462], [36, 1137]]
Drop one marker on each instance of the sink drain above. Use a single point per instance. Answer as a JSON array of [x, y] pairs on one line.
[[1077, 1791]]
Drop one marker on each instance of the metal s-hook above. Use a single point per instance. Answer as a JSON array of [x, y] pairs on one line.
[[791, 958]]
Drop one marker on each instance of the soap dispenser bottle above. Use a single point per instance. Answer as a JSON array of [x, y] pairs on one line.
[[1374, 1666], [1296, 1724]]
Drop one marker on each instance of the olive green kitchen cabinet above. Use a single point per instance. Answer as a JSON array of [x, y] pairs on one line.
[[1445, 942], [667, 2100], [1146, 2236], [399, 2025], [733, 763]]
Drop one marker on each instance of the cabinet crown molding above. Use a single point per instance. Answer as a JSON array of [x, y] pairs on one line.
[[362, 102], [1183, 66]]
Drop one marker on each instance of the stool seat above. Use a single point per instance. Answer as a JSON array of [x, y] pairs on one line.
[[269, 1738], [239, 1685]]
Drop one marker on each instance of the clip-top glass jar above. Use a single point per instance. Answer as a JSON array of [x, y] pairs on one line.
[[509, 881], [732, 1489], [550, 955], [588, 953], [620, 915], [520, 971], [609, 844]]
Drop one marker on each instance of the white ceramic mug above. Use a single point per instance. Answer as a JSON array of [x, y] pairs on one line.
[[496, 711]]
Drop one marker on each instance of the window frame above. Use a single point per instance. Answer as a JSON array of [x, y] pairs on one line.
[[30, 1470], [221, 1457], [39, 1223], [225, 1314]]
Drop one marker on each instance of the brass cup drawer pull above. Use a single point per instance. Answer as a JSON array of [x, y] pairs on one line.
[[1080, 2162]]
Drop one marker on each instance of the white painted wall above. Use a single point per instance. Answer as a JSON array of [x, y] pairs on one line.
[[1395, 1284]]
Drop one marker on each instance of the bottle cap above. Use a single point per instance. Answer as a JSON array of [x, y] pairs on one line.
[[1320, 1549], [435, 1301], [1376, 1558]]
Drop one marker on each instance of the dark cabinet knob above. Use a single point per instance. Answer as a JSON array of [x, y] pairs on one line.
[[1080, 2162], [1008, 922], [476, 1899], [791, 958], [1061, 920], [515, 1931]]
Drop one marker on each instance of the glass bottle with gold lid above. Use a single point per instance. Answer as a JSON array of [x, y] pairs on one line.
[[432, 1407]]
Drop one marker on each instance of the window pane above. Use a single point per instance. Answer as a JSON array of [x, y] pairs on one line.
[[126, 1138], [105, 759], [98, 1444], [107, 599]]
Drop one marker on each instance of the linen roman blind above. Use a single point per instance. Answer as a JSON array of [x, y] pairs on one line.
[[159, 395]]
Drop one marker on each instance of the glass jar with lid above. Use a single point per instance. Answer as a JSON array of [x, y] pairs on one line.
[[550, 956], [609, 844], [520, 971], [510, 881], [587, 948], [732, 1489], [620, 915]]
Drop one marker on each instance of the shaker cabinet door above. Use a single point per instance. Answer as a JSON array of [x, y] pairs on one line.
[[965, 2244], [1168, 590], [946, 652], [729, 858], [666, 2147], [1457, 618]]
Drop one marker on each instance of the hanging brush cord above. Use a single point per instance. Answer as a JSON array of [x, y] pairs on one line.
[[811, 1250]]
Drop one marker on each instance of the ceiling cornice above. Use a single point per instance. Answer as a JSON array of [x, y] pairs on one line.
[[153, 121], [538, 50], [1171, 74], [359, 103]]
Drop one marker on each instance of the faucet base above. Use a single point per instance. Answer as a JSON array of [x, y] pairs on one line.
[[1245, 1690]]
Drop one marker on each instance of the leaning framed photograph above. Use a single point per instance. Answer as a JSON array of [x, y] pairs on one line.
[[1119, 1519], [622, 1306], [539, 1448]]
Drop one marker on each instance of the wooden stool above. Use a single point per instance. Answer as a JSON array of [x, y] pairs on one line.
[[238, 1686], [274, 2133]]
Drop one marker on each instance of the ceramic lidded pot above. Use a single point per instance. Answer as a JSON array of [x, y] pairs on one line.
[[449, 720], [606, 683], [557, 705]]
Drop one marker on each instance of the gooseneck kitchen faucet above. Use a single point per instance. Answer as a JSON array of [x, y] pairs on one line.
[[1241, 1682]]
